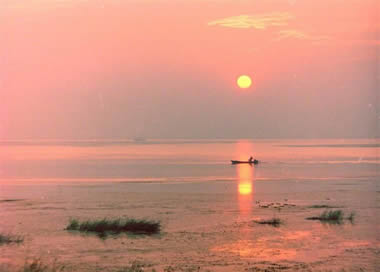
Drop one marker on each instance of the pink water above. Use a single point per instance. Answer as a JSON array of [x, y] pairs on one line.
[[207, 206]]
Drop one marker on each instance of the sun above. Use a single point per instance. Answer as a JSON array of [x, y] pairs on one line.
[[244, 81]]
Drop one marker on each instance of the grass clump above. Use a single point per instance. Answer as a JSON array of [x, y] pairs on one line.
[[321, 207], [351, 217], [332, 216], [106, 226], [38, 266], [275, 222], [136, 267], [133, 268], [9, 239]]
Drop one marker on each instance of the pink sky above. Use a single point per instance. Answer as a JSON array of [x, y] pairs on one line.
[[165, 68]]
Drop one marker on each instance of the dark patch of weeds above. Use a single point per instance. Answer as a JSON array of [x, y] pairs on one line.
[[10, 239], [136, 267], [10, 200], [351, 217], [265, 266], [275, 222], [37, 265], [321, 207], [105, 226], [332, 216], [183, 268]]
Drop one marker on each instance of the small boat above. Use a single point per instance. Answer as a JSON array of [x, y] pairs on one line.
[[139, 140], [249, 162]]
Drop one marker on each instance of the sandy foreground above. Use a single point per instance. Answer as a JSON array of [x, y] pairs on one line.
[[206, 226]]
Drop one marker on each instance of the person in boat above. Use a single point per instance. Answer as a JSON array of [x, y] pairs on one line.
[[250, 159]]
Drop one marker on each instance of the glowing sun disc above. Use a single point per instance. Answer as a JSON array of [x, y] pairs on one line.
[[244, 81]]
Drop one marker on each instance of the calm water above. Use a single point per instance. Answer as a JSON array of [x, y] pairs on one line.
[[185, 160], [205, 204]]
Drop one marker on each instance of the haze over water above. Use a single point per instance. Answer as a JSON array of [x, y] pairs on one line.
[[185, 160]]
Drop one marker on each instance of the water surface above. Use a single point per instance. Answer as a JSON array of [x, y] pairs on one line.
[[207, 206]]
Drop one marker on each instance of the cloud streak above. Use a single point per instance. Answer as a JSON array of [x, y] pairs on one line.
[[262, 21], [299, 35]]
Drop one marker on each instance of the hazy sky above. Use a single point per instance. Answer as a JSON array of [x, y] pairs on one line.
[[168, 68]]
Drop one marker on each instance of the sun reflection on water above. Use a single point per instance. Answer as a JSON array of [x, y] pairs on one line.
[[245, 188]]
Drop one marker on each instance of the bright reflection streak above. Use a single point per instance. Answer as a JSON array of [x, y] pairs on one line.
[[244, 179], [245, 188], [245, 175]]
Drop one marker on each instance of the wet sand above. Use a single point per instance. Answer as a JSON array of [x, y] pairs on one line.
[[206, 226]]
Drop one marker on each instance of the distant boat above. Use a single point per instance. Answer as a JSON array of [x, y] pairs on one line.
[[249, 162], [139, 139]]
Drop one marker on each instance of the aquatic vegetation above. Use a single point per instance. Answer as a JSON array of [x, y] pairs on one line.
[[136, 267], [106, 226], [275, 222], [267, 266], [10, 200], [9, 239], [351, 217], [275, 205], [332, 216], [38, 266], [321, 206]]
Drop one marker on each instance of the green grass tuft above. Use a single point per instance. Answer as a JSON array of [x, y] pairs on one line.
[[9, 239], [275, 222], [106, 226], [333, 216]]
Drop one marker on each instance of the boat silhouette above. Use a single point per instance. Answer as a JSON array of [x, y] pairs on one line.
[[248, 162]]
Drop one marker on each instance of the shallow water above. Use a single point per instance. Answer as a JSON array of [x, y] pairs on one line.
[[181, 160], [207, 206]]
